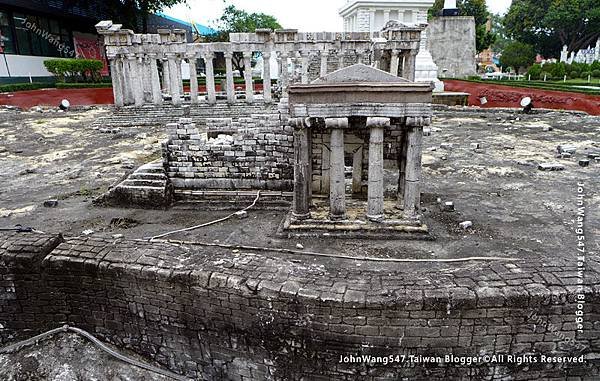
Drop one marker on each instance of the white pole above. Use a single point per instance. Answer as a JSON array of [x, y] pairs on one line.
[[529, 77], [30, 79], [545, 75], [589, 78], [565, 79]]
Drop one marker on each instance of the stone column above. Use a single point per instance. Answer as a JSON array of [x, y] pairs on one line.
[[154, 77], [386, 17], [409, 65], [178, 61], [173, 78], [341, 54], [395, 62], [401, 159], [146, 78], [412, 192], [337, 185], [302, 170], [284, 74], [248, 77], [268, 97], [324, 62], [193, 78], [375, 207], [359, 55], [229, 74], [210, 77], [305, 64], [116, 73], [372, 20], [127, 81], [135, 79], [166, 76]]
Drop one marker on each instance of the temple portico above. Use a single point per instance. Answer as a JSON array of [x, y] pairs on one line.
[[360, 117]]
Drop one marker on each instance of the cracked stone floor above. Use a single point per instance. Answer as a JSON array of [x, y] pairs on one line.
[[516, 209]]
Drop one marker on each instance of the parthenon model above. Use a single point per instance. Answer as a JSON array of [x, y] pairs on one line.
[[342, 100]]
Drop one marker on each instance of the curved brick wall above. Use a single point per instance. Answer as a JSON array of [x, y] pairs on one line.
[[214, 314]]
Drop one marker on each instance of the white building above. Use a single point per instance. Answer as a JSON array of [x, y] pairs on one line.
[[373, 15]]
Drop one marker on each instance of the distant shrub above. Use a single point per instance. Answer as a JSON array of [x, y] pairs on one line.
[[595, 66], [535, 71], [75, 69], [24, 87], [596, 73], [586, 74], [574, 75], [545, 75]]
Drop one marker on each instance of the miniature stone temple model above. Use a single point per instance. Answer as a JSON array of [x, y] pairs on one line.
[[335, 111], [368, 116]]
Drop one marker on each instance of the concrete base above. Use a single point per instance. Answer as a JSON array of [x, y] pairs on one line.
[[393, 225], [427, 71], [450, 98]]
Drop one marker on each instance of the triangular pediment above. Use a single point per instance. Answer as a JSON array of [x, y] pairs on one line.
[[359, 73]]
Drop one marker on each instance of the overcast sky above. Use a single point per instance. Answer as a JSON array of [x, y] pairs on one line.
[[305, 15]]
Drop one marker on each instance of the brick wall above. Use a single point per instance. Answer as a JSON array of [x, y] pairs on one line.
[[250, 151], [216, 315]]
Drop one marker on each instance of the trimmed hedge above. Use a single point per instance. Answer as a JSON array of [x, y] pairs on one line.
[[25, 87], [68, 85], [538, 85], [75, 69]]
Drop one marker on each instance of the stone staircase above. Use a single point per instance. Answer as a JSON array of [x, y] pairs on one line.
[[148, 186]]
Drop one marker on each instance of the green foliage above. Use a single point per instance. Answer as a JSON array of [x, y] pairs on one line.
[[518, 55], [535, 71], [544, 75], [236, 20], [24, 87], [75, 69], [586, 74], [596, 73], [478, 9], [133, 14], [550, 24], [574, 74], [558, 86], [595, 65]]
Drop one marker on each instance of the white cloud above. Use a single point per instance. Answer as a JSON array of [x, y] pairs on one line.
[[305, 15]]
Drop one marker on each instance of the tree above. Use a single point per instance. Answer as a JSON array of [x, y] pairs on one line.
[[550, 24], [477, 9], [498, 29], [518, 55], [236, 20], [133, 14]]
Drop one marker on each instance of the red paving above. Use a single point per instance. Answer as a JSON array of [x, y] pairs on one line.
[[507, 96], [77, 97], [52, 97], [496, 95]]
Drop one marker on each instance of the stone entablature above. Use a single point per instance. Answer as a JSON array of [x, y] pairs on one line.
[[144, 66]]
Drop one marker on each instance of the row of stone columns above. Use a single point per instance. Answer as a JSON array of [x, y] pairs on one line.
[[410, 169], [136, 78], [405, 61]]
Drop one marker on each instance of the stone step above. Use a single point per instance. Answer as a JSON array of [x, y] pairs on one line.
[[149, 183], [148, 176]]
